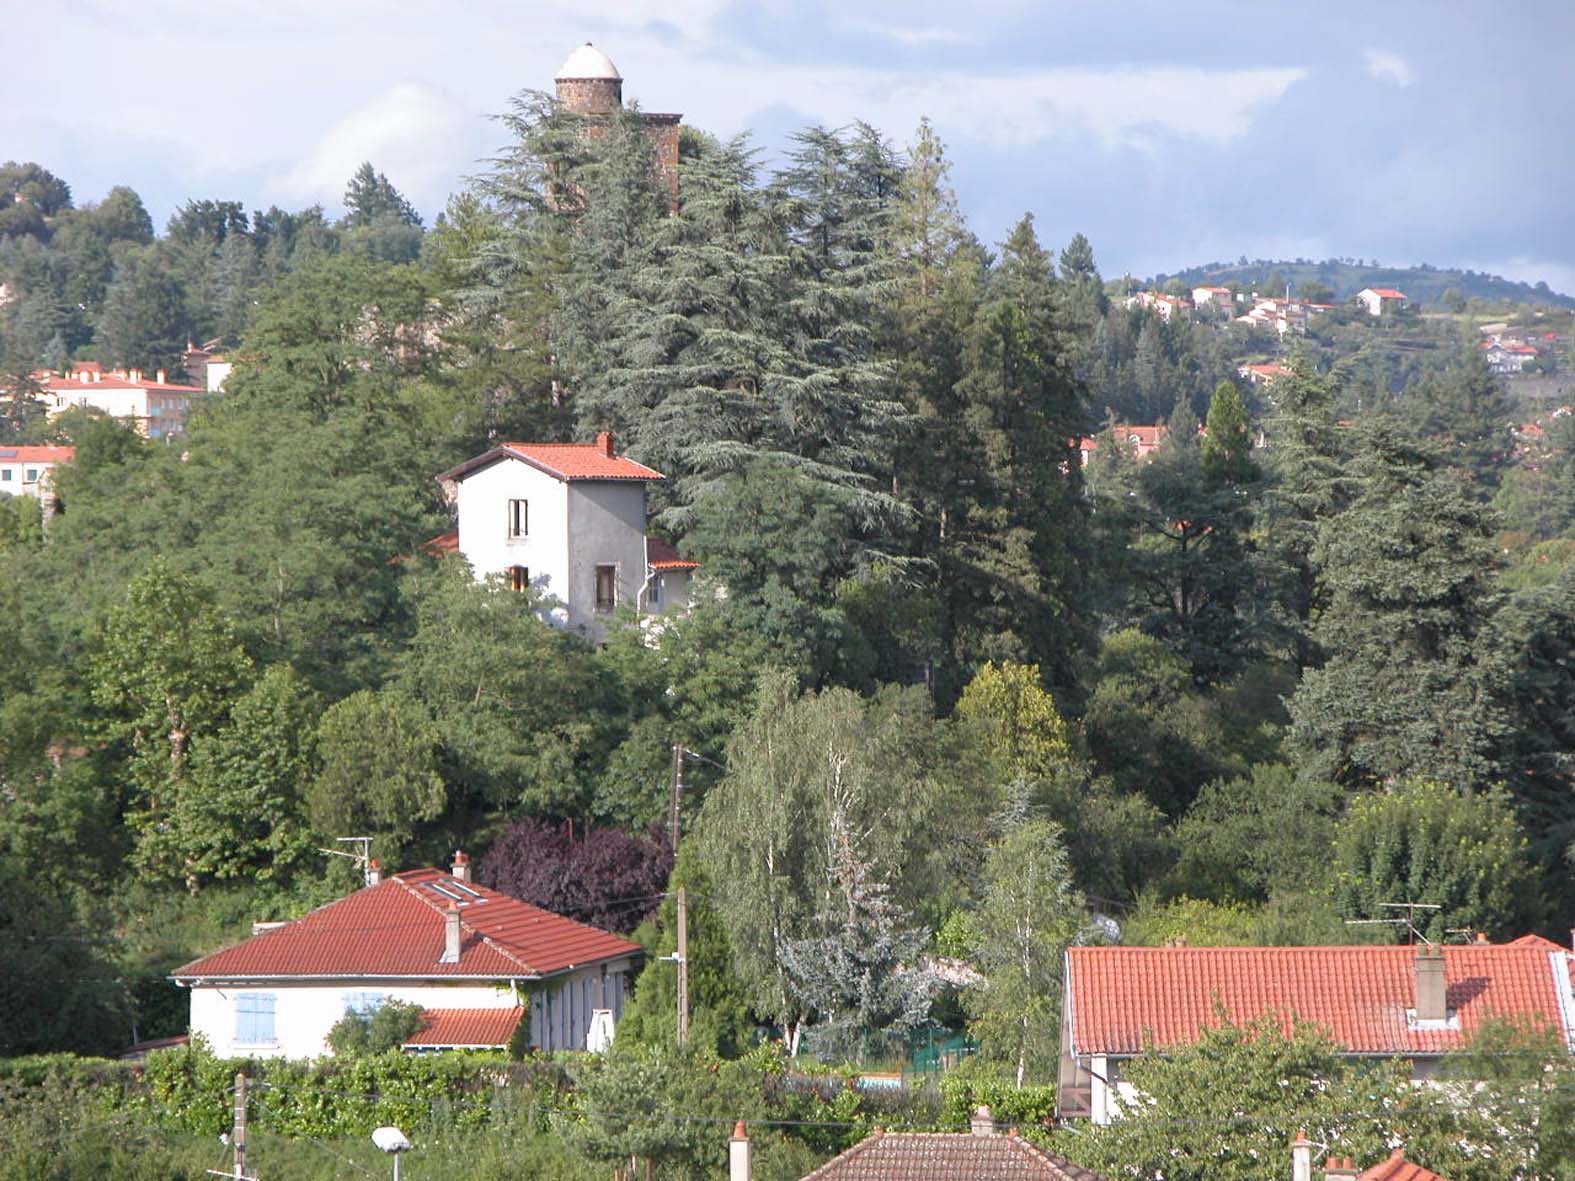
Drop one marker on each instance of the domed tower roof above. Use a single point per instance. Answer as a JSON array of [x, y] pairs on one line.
[[587, 63]]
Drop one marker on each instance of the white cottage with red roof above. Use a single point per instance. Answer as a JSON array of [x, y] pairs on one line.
[[476, 961], [29, 471], [1415, 1004], [568, 521], [1376, 301]]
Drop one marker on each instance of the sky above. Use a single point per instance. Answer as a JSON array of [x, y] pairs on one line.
[[1170, 134]]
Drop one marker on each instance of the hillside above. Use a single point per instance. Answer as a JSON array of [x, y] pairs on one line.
[[1424, 284]]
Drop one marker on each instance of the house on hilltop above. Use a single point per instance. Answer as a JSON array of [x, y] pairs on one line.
[[566, 520], [1377, 301], [1414, 1004], [589, 84], [477, 962]]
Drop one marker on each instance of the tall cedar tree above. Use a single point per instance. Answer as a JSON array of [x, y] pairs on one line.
[[1407, 568], [1012, 568]]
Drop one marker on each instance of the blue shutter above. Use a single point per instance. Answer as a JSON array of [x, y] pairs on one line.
[[254, 1018]]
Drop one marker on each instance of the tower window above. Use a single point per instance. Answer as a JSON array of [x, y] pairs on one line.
[[519, 519], [606, 588], [519, 578]]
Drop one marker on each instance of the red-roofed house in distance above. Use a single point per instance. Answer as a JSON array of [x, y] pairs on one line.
[[1415, 1004], [566, 520], [1221, 299], [29, 471], [1394, 1168], [157, 407], [1376, 301], [477, 962], [1266, 373]]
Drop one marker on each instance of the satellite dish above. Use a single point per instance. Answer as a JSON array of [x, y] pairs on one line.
[[391, 1139]]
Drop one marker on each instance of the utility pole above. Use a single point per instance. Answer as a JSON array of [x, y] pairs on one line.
[[678, 794], [238, 1134], [683, 965]]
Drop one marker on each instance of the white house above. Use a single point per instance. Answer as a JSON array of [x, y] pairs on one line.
[[1376, 301], [566, 520], [157, 407], [1219, 298], [29, 471], [1412, 1004], [476, 961]]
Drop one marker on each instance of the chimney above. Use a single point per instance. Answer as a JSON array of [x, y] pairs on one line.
[[450, 935], [461, 865], [1301, 1157], [133, 375], [604, 443], [374, 872], [983, 1122], [160, 376], [1335, 1169], [1430, 988], [739, 1155]]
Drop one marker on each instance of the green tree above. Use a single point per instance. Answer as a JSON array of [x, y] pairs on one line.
[[1016, 722], [1407, 574], [1426, 842], [144, 321], [1228, 1106], [385, 1028], [166, 670], [244, 813], [379, 772], [370, 196], [1027, 917]]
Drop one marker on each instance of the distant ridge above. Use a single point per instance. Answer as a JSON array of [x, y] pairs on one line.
[[1424, 284]]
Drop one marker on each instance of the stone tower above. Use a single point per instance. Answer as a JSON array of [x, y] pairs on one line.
[[589, 84]]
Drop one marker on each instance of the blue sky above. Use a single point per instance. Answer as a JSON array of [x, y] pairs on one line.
[[1170, 134]]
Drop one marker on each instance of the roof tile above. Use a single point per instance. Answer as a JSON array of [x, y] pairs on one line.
[[954, 1156]]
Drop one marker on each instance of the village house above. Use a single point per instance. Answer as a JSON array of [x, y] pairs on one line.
[[1395, 1167], [1377, 301], [1283, 315], [477, 962], [1507, 356], [1266, 373], [983, 1153], [29, 471], [1165, 306], [156, 407], [1219, 299], [1414, 1004], [1143, 441], [566, 520]]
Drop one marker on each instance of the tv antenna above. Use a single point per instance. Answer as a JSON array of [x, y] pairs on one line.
[[362, 857], [1409, 919]]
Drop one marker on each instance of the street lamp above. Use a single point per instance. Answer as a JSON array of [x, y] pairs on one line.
[[392, 1140]]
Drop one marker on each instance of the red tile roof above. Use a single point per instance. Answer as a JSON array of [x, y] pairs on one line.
[[952, 1156], [1386, 293], [661, 556], [1397, 1168], [1120, 996], [108, 381], [443, 544], [563, 461], [395, 929], [464, 1029], [39, 454]]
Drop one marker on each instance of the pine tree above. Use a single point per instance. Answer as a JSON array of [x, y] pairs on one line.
[[1407, 574], [371, 196]]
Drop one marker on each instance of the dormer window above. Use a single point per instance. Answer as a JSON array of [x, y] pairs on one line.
[[519, 519]]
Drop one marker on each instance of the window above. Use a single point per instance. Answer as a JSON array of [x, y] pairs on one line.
[[606, 588], [254, 1019], [653, 596], [32, 475], [364, 1003], [519, 578], [519, 519], [5, 474]]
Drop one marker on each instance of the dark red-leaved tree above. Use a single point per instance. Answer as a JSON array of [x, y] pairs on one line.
[[599, 876]]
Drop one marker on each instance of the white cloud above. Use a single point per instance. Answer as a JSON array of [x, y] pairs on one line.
[[1387, 66], [1124, 107], [417, 134]]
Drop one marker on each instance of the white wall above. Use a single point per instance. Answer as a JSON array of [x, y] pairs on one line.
[[303, 1014], [483, 503], [561, 1008]]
